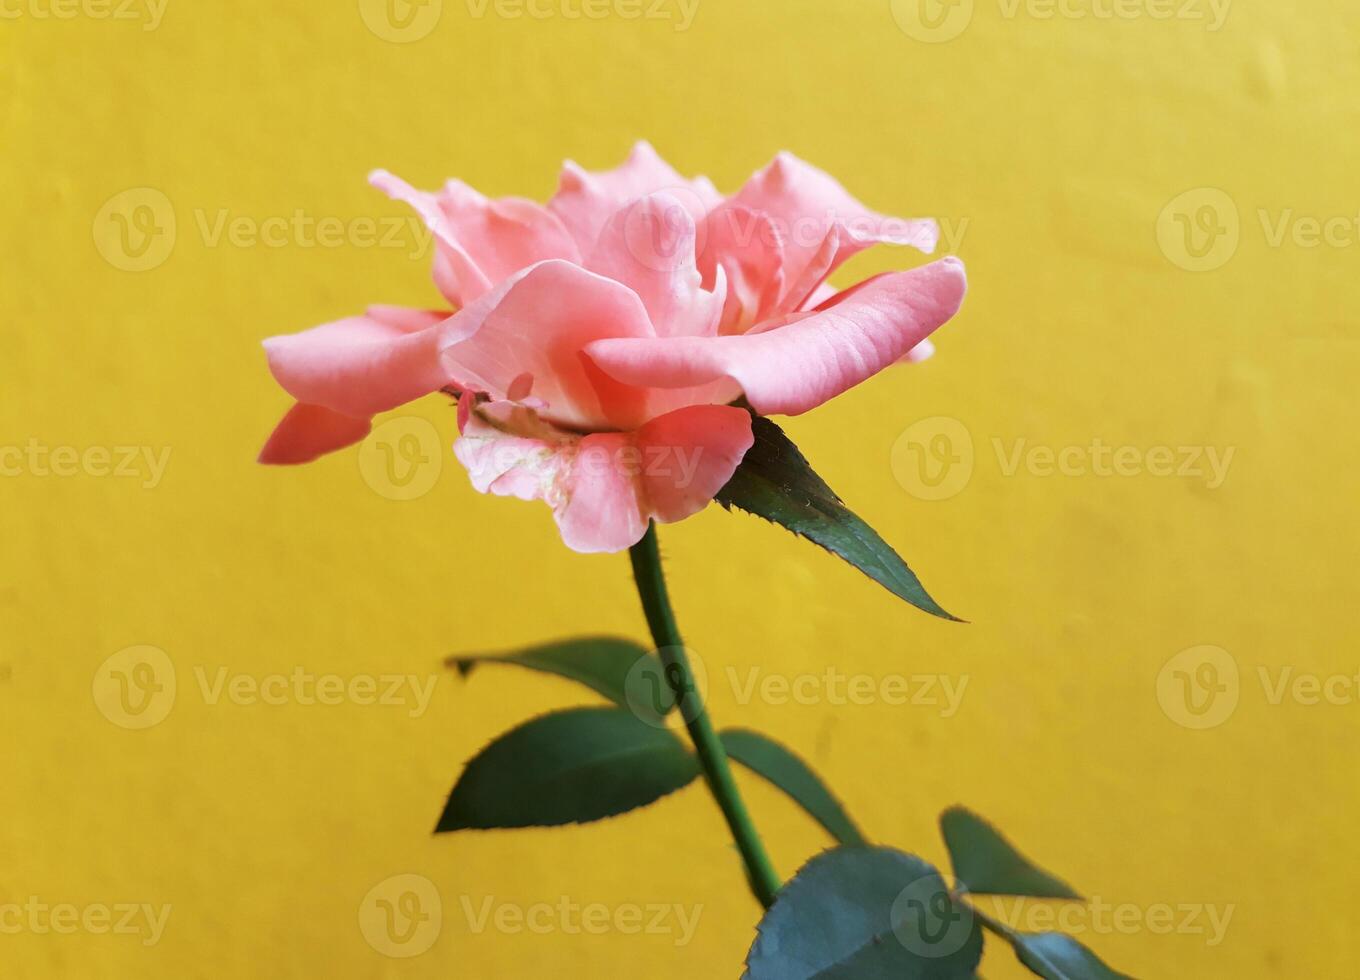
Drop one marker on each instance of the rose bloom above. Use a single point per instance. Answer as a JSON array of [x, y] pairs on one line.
[[599, 342]]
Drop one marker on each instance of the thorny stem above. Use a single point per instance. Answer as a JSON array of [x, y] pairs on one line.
[[651, 585]]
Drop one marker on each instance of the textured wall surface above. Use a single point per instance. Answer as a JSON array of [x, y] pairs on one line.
[[1158, 206]]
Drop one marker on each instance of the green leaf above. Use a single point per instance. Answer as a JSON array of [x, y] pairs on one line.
[[601, 663], [568, 767], [1052, 955], [1055, 956], [775, 482], [987, 863], [865, 913], [774, 762]]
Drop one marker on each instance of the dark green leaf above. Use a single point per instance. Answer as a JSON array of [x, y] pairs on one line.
[[987, 863], [865, 913], [601, 663], [1055, 956], [1052, 955], [775, 482], [568, 767], [791, 774]]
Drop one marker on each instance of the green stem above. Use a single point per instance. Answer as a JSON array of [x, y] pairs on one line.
[[651, 584]]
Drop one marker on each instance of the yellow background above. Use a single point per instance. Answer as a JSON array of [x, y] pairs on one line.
[[1053, 144]]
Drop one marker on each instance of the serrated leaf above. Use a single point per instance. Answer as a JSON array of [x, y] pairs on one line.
[[1052, 955], [1056, 956], [601, 663], [865, 913], [571, 766], [772, 761], [987, 863], [775, 481]]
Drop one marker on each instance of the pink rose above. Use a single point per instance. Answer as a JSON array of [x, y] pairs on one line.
[[600, 341]]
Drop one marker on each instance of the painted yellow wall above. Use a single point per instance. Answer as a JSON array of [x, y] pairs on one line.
[[1056, 150]]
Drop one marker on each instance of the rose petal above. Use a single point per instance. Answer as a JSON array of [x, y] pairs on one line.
[[585, 201], [480, 241], [456, 275], [537, 322], [819, 296], [813, 276], [649, 247], [364, 364], [745, 247], [603, 488], [309, 431], [813, 357], [689, 455], [806, 204]]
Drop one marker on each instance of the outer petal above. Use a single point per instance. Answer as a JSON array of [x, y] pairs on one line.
[[362, 365], [807, 205], [309, 431], [603, 488], [537, 322], [649, 246], [480, 241], [455, 273], [688, 455], [811, 358], [586, 201], [825, 295]]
